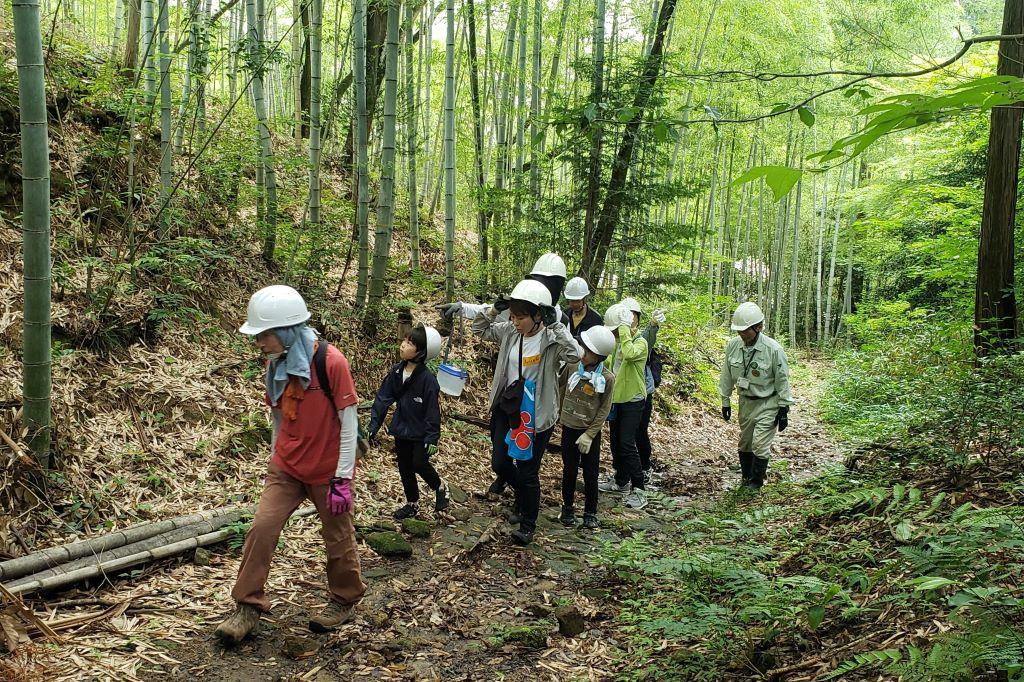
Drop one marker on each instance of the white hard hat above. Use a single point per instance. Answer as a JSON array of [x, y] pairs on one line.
[[576, 289], [617, 315], [746, 316], [632, 305], [599, 340], [274, 307], [433, 342], [532, 291], [550, 264]]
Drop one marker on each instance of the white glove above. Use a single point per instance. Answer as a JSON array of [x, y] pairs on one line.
[[584, 442], [625, 317], [658, 316]]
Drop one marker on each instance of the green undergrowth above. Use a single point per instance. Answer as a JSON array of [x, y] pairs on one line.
[[747, 586], [906, 562]]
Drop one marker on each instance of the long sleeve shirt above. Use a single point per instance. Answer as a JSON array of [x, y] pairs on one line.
[[762, 368]]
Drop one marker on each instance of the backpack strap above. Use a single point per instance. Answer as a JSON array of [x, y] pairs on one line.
[[320, 364]]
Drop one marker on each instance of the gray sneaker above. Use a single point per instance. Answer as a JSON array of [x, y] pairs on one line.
[[610, 486], [636, 499]]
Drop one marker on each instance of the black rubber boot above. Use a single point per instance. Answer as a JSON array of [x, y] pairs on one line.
[[758, 473], [746, 465]]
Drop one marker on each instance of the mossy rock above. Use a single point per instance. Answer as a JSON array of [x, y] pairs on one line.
[[416, 528], [528, 636], [389, 544], [457, 494]]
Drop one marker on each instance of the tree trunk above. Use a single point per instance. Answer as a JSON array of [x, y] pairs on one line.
[[296, 75], [147, 51], [478, 143], [449, 154], [266, 162], [166, 159], [411, 130], [596, 250], [315, 84], [361, 134], [131, 37], [596, 131], [386, 200], [502, 113], [35, 187], [832, 259], [535, 153], [995, 305]]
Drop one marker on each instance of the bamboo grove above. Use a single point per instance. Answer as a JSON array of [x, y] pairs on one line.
[[611, 131]]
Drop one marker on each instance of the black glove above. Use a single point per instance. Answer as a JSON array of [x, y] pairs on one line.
[[450, 310], [548, 315], [501, 303], [782, 417], [727, 412], [372, 438]]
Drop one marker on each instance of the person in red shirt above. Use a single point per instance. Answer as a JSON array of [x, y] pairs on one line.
[[315, 433]]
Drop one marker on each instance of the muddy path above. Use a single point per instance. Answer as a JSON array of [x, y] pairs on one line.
[[466, 605]]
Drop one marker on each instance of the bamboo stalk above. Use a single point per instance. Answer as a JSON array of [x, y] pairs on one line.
[[48, 558], [160, 540], [164, 552]]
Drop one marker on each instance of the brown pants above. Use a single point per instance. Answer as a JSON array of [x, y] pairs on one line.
[[281, 496]]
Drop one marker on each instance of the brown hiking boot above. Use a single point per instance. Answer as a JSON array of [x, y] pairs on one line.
[[330, 617], [238, 625]]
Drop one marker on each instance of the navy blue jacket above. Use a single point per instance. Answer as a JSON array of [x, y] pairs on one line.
[[591, 319], [418, 415]]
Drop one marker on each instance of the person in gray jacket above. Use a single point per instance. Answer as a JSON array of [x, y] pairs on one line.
[[533, 347]]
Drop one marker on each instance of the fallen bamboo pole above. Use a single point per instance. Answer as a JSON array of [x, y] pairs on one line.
[[146, 556], [553, 445], [168, 538], [48, 558]]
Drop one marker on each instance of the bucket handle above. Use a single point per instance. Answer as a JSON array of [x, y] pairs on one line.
[[448, 344]]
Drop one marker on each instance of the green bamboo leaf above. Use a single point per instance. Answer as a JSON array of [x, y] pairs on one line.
[[806, 115], [781, 179]]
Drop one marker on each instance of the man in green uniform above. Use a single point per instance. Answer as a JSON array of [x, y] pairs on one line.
[[756, 365]]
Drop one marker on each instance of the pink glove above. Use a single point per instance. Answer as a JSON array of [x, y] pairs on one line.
[[339, 496]]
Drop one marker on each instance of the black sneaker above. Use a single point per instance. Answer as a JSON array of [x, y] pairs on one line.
[[522, 537], [442, 499], [409, 510], [515, 516], [590, 521], [567, 517]]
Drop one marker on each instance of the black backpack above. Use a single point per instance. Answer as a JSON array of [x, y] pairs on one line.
[[320, 365], [654, 361]]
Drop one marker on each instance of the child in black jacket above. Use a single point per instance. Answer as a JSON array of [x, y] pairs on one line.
[[416, 425]]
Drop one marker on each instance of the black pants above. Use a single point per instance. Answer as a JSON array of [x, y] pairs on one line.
[[522, 475], [572, 458], [412, 460], [625, 457], [643, 438]]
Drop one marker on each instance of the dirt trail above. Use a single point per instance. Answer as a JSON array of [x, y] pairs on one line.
[[448, 612]]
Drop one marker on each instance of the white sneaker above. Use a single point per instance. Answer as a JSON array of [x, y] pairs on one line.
[[610, 486], [636, 499]]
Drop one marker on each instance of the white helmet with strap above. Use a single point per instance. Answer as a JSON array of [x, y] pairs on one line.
[[433, 342], [598, 340], [274, 307], [617, 315], [531, 291], [550, 265], [632, 305], [576, 289], [746, 316]]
